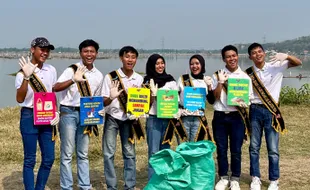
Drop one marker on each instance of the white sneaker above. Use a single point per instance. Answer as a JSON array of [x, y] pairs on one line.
[[222, 184], [255, 184], [234, 185], [273, 185]]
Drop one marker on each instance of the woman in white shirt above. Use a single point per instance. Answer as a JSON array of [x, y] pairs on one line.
[[196, 78], [156, 127]]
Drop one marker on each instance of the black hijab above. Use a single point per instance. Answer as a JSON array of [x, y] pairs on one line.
[[202, 63], [159, 79]]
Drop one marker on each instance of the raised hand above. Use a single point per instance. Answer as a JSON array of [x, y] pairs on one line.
[[278, 57], [27, 67], [78, 75], [223, 76], [207, 80], [153, 87], [114, 93]]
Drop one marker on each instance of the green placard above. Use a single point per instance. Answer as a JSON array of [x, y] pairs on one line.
[[167, 103], [237, 91]]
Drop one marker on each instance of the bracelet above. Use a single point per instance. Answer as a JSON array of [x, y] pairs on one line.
[[26, 78]]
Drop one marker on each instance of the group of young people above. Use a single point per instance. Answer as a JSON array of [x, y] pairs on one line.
[[230, 124]]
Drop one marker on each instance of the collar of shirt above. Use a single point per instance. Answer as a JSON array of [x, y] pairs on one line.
[[122, 74], [262, 69], [44, 68], [238, 71]]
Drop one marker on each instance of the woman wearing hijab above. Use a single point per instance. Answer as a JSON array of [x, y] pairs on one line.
[[196, 78], [157, 78]]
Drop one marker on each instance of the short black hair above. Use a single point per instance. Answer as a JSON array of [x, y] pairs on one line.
[[253, 46], [127, 49], [228, 48], [88, 42]]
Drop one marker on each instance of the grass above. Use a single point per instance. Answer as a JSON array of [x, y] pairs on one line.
[[294, 155]]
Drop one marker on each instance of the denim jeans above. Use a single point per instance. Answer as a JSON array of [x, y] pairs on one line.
[[228, 125], [155, 129], [191, 124], [32, 134], [111, 128], [73, 140], [261, 120]]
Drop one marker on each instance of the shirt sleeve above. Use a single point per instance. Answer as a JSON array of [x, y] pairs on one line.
[[280, 67], [19, 80], [66, 75], [105, 92]]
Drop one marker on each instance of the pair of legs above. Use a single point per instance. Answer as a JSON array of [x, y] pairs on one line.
[[32, 134], [111, 127], [73, 140], [155, 128], [191, 124], [261, 120], [228, 125]]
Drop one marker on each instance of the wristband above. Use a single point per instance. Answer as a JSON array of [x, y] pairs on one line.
[[26, 78], [73, 80]]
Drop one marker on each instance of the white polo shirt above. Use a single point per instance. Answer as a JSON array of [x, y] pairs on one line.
[[71, 95], [172, 85], [271, 76], [48, 76], [114, 109], [221, 104], [196, 82]]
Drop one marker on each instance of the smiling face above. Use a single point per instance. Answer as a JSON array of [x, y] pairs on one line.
[[160, 66], [88, 55], [40, 54], [231, 60], [195, 66], [258, 56], [129, 61]]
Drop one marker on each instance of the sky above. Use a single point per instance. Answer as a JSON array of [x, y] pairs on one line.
[[175, 24]]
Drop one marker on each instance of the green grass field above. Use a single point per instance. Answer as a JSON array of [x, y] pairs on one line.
[[294, 155]]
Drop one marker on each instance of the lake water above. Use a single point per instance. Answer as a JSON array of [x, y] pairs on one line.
[[175, 66]]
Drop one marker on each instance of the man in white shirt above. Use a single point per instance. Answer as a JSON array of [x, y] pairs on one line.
[[270, 74], [227, 122], [114, 91], [36, 71], [72, 134]]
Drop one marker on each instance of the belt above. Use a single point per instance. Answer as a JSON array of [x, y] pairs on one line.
[[259, 105], [73, 108], [227, 112]]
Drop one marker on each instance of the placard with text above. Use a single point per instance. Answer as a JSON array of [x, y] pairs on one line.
[[167, 103], [89, 108], [194, 101], [237, 91], [138, 101], [44, 107]]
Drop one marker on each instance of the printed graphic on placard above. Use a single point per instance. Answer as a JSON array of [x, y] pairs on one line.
[[238, 92], [167, 103], [44, 107], [89, 108], [138, 102], [194, 101]]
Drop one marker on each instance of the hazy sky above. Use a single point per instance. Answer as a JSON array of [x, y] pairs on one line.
[[181, 24]]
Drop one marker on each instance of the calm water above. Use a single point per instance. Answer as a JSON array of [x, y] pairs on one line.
[[175, 66]]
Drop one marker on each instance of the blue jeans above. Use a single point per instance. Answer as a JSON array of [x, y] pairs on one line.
[[73, 140], [191, 124], [155, 128], [30, 135], [261, 120], [111, 128], [228, 126]]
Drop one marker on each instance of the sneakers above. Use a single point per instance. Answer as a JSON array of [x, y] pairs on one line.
[[222, 184], [273, 185], [234, 185], [255, 184]]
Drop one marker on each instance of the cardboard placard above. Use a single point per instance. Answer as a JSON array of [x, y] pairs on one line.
[[89, 108], [138, 101], [194, 101], [237, 91], [167, 103]]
